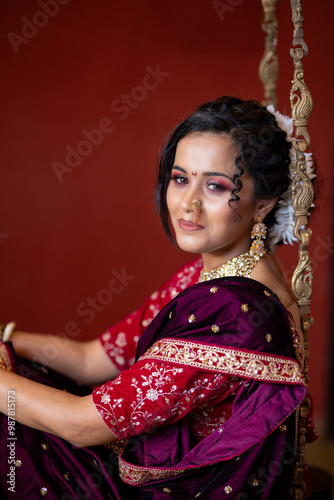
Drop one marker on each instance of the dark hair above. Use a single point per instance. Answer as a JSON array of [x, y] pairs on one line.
[[263, 150]]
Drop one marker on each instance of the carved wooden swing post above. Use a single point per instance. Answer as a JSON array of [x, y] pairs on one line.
[[302, 189], [268, 69], [302, 195]]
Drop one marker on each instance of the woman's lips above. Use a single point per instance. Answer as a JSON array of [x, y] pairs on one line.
[[188, 225]]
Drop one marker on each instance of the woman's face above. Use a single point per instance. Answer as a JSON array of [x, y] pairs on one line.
[[203, 170]]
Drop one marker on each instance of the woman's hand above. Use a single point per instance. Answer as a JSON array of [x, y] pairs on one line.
[[72, 418], [85, 362]]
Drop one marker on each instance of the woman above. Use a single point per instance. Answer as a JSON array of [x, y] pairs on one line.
[[205, 403]]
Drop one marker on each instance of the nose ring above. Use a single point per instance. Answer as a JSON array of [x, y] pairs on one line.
[[196, 209]]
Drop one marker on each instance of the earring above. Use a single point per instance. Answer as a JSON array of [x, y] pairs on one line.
[[259, 232], [196, 209]]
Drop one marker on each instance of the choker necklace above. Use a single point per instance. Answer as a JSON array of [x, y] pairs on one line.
[[242, 265]]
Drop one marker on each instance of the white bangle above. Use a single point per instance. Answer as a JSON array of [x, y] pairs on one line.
[[9, 328]]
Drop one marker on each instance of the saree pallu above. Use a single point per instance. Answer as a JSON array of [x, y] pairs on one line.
[[230, 325], [238, 327]]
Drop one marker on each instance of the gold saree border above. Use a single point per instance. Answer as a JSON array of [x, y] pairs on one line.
[[136, 475], [5, 361], [241, 363]]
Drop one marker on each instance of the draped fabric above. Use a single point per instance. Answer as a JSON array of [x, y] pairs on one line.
[[237, 327], [37, 465], [233, 328]]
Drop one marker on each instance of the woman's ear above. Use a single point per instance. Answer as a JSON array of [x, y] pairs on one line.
[[263, 206]]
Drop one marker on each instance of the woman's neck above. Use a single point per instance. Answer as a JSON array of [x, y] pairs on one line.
[[216, 259]]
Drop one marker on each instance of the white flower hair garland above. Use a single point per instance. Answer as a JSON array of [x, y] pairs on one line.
[[282, 230]]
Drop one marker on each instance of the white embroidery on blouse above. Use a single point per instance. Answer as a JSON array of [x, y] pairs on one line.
[[156, 383], [184, 279], [203, 423], [207, 418], [121, 340], [115, 349]]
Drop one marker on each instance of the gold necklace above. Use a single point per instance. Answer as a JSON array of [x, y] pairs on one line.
[[242, 265]]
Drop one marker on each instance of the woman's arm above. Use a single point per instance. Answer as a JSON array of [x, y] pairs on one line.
[[69, 417], [86, 362]]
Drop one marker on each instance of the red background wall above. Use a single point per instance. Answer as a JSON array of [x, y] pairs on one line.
[[60, 242]]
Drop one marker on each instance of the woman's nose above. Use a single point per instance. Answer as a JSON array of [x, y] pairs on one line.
[[191, 204], [193, 193]]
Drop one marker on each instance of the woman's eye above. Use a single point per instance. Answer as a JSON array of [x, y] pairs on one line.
[[179, 179], [216, 186]]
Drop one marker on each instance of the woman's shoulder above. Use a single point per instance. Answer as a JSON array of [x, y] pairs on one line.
[[193, 267], [186, 275], [270, 273]]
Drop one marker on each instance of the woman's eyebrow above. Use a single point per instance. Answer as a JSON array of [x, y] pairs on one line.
[[206, 174], [176, 167], [215, 174]]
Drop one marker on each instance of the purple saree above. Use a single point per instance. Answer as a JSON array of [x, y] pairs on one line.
[[234, 326], [229, 325], [45, 466]]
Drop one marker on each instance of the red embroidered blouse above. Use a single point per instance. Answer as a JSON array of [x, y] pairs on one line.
[[151, 393]]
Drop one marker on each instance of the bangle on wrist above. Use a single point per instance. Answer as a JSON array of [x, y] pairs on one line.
[[7, 331]]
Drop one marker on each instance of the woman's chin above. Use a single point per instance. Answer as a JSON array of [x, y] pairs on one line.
[[190, 247]]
